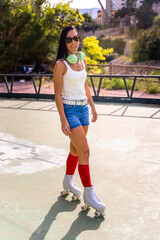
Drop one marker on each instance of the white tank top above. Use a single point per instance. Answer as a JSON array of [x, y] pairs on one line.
[[74, 83]]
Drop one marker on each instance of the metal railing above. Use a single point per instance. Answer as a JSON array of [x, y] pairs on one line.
[[96, 93]]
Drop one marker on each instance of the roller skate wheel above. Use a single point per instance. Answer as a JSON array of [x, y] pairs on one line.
[[74, 197], [63, 192], [97, 213], [84, 208]]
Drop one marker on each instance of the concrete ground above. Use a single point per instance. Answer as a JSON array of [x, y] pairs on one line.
[[125, 170]]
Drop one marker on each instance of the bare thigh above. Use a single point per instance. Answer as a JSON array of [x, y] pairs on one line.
[[79, 145]]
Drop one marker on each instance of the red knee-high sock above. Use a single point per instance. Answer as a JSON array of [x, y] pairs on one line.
[[71, 164], [84, 173]]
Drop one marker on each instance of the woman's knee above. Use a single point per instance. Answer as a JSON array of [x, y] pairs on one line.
[[73, 150], [84, 153]]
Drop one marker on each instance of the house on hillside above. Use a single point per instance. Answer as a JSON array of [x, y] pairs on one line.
[[100, 18], [156, 7]]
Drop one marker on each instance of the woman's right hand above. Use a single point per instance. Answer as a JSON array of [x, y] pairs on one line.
[[65, 128]]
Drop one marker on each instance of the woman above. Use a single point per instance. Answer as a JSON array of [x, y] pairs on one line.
[[71, 96]]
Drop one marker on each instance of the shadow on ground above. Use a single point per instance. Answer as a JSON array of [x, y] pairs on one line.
[[82, 223]]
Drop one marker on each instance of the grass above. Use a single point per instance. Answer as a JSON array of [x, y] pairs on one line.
[[47, 82], [115, 37], [126, 58], [154, 88], [118, 84]]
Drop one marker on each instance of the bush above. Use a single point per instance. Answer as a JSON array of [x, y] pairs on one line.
[[156, 20], [153, 88], [155, 72], [147, 46], [111, 57], [89, 27], [145, 16], [102, 36], [94, 53], [117, 44], [116, 84]]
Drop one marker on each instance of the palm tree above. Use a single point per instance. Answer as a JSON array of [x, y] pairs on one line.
[[106, 17]]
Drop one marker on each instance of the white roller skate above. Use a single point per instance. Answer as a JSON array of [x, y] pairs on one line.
[[70, 187], [90, 199]]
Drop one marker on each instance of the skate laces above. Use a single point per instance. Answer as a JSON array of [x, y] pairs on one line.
[[70, 182], [75, 186], [93, 195]]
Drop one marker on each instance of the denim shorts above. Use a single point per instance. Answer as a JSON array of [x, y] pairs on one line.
[[76, 115]]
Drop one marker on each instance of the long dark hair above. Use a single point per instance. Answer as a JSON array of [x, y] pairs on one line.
[[62, 49]]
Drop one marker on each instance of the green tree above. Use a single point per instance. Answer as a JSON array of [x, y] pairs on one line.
[[156, 20], [87, 18], [145, 16], [150, 2], [131, 4], [123, 12], [88, 24], [147, 46], [30, 30]]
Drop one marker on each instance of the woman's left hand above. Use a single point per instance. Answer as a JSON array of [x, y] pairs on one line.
[[94, 115]]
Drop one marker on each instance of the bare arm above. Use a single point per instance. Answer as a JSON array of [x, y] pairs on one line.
[[90, 101], [59, 71]]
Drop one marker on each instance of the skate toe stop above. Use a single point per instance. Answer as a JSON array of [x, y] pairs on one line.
[[97, 214], [103, 214], [74, 197], [84, 208], [63, 193]]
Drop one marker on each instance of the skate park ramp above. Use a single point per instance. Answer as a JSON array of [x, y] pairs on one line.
[[125, 170]]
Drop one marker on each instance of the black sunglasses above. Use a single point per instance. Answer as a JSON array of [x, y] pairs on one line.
[[70, 39]]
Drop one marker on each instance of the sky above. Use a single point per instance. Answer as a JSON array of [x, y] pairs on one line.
[[82, 3]]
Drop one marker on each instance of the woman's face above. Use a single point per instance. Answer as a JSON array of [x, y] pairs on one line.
[[72, 46]]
